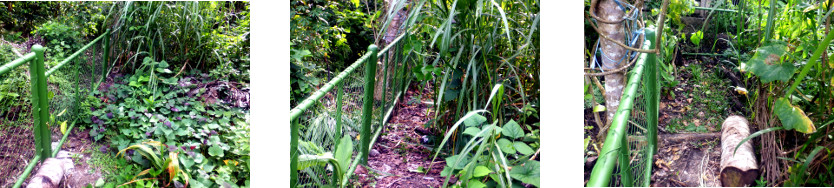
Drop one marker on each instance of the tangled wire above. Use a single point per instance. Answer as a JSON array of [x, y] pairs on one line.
[[633, 25]]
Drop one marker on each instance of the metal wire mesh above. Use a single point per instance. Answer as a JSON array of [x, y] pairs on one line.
[[67, 87], [636, 138], [17, 145], [318, 124], [70, 85]]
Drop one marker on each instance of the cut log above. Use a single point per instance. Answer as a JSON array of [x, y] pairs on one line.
[[51, 172], [737, 169]]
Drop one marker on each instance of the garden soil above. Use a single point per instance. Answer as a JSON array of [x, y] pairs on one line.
[[399, 152]]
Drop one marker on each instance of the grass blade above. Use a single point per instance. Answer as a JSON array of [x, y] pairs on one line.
[[504, 19], [451, 130]]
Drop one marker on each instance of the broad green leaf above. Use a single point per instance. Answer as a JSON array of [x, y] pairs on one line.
[[512, 130], [474, 120], [471, 131], [767, 65], [344, 152], [481, 171], [215, 151], [306, 161], [454, 163], [696, 38], [528, 172], [474, 183], [523, 148], [793, 117], [506, 145], [446, 171]]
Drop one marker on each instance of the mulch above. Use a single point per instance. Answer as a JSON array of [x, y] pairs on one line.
[[401, 152]]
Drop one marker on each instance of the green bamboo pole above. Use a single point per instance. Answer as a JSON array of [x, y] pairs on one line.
[[105, 62], [293, 153], [652, 100], [64, 138], [625, 165], [313, 98], [385, 78], [39, 103], [356, 160], [74, 55], [716, 9], [601, 174], [368, 106], [17, 62], [27, 171]]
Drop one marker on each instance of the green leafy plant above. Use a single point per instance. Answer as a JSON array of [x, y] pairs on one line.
[[696, 38], [164, 169], [186, 114], [491, 150]]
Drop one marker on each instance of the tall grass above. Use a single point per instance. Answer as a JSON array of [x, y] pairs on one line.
[[197, 35], [478, 45]]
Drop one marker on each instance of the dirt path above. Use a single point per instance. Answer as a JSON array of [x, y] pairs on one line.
[[687, 162], [399, 153]]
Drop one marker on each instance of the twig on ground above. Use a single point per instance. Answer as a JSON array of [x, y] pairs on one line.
[[536, 154]]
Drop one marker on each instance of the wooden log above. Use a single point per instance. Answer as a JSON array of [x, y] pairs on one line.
[[51, 172], [739, 169]]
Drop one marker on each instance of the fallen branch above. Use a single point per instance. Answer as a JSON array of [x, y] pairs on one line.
[[682, 137]]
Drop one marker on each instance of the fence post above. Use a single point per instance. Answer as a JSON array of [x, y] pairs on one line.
[[106, 59], [40, 106], [368, 103], [293, 152], [652, 102]]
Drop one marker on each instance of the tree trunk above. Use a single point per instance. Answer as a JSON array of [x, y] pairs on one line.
[[738, 167], [613, 56], [389, 36]]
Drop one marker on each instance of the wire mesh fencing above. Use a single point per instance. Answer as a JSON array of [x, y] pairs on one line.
[[336, 111], [67, 83], [336, 115], [16, 137], [636, 146], [70, 85], [627, 153]]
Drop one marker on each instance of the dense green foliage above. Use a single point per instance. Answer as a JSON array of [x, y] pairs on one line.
[[211, 37], [460, 49], [211, 137], [177, 88], [325, 35]]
